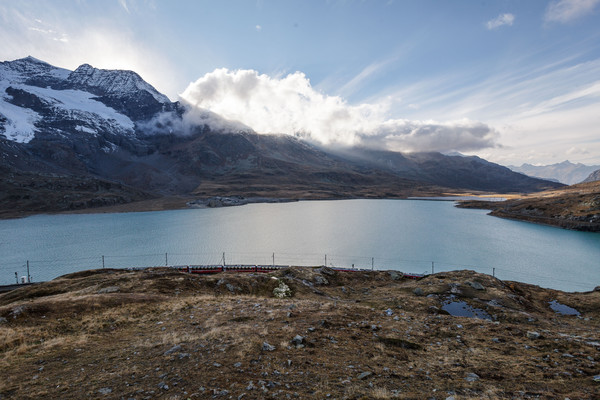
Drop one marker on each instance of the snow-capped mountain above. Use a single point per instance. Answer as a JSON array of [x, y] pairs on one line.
[[70, 131], [37, 98]]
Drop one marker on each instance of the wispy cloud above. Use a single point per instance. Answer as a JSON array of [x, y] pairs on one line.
[[123, 4], [258, 28], [370, 70], [564, 11], [500, 20]]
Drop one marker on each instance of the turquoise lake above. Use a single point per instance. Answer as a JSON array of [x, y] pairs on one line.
[[407, 235]]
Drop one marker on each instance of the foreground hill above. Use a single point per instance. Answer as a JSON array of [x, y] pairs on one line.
[[574, 207], [112, 126], [160, 333]]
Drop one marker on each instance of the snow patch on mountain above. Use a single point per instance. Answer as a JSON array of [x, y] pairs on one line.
[[80, 104], [17, 123]]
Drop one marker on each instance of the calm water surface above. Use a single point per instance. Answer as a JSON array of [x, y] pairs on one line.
[[407, 235]]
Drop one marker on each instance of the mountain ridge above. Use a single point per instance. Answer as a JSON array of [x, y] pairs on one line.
[[565, 172], [111, 125]]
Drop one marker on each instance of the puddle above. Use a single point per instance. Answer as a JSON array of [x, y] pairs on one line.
[[562, 309], [459, 308]]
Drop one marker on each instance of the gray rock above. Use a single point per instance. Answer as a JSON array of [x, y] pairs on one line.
[[298, 341], [450, 398], [476, 285], [472, 377], [163, 386], [418, 291], [184, 355], [237, 364], [533, 335], [364, 375], [3, 320], [327, 271], [230, 287], [597, 378], [396, 275], [173, 349], [389, 312], [217, 365], [15, 312], [105, 390], [321, 280], [109, 289], [267, 347]]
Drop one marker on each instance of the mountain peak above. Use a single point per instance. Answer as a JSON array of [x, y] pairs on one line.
[[112, 82], [32, 60]]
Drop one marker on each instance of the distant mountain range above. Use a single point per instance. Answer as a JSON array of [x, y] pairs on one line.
[[565, 172], [89, 137]]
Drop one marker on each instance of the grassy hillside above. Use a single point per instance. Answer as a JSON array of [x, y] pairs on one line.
[[160, 333]]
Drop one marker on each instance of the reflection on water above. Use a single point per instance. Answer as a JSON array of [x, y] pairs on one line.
[[459, 308], [562, 309]]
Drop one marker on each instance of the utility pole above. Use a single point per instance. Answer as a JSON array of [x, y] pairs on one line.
[[166, 260], [223, 258], [432, 267], [17, 277], [494, 272], [325, 259], [28, 276], [102, 262], [372, 263], [273, 259]]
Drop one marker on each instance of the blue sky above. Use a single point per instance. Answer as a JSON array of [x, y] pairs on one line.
[[510, 81]]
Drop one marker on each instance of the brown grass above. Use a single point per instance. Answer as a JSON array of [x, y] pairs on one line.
[[73, 341]]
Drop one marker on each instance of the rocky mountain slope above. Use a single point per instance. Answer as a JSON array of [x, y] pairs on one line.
[[160, 333], [594, 176], [565, 172], [111, 125]]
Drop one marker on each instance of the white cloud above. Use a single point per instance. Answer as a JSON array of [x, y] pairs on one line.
[[258, 28], [564, 11], [500, 20], [290, 105]]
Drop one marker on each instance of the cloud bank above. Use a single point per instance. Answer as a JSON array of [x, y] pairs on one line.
[[500, 20], [290, 105]]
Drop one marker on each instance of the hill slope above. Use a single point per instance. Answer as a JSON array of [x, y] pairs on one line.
[[574, 207], [345, 335]]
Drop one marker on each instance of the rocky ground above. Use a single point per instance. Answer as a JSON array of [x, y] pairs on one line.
[[296, 333], [575, 207]]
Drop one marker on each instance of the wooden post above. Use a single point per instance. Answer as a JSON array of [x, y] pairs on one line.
[[102, 262]]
